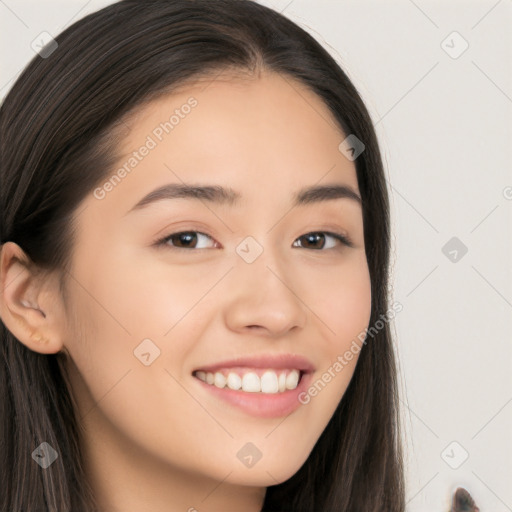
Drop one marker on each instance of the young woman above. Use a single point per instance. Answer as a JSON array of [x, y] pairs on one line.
[[194, 272]]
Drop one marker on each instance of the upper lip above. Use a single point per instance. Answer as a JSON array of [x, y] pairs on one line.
[[277, 361]]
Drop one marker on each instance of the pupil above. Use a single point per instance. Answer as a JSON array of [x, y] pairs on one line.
[[313, 237], [188, 236]]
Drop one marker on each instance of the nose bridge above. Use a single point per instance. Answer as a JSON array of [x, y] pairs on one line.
[[263, 291]]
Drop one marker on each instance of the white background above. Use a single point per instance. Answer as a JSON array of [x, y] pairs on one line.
[[444, 125]]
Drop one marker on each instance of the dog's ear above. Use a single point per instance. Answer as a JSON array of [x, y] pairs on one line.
[[463, 502]]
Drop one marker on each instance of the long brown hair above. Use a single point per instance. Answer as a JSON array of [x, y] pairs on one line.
[[58, 140]]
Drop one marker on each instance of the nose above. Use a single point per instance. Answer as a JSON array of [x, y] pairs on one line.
[[262, 299]]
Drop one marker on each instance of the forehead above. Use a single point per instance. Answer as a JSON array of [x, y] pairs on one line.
[[265, 135]]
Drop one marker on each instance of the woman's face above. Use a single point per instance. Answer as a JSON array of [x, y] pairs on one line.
[[257, 277]]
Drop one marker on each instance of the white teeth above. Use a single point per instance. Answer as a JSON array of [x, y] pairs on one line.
[[292, 379], [219, 380], [234, 381], [282, 382], [251, 382], [269, 382]]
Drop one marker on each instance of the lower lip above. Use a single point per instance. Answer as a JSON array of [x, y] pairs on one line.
[[263, 405]]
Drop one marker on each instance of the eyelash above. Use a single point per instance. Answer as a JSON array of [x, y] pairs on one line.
[[346, 241]]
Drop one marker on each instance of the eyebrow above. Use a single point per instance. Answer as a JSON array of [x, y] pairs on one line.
[[222, 195]]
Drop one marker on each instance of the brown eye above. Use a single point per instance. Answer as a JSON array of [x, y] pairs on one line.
[[320, 240], [185, 240]]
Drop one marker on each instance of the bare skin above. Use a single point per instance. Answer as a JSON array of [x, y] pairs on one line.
[[155, 439]]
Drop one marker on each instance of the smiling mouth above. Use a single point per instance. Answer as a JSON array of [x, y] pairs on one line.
[[252, 380]]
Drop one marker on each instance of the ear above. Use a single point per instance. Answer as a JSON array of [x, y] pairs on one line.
[[30, 301]]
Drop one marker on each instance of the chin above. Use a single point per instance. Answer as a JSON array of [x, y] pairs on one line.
[[264, 473]]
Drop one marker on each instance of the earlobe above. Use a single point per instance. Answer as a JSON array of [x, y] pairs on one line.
[[35, 336], [24, 304]]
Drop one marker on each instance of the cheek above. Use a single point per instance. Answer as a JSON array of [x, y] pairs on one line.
[[342, 302], [150, 296], [126, 309], [114, 315], [341, 299]]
